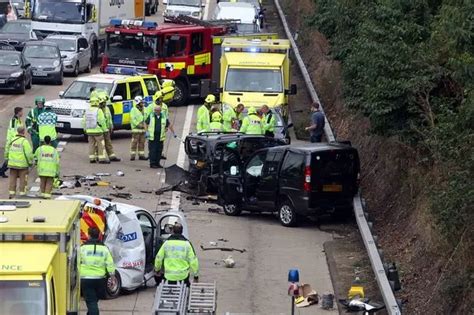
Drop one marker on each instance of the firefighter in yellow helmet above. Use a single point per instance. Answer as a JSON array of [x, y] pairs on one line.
[[252, 123], [203, 115], [95, 126], [216, 121]]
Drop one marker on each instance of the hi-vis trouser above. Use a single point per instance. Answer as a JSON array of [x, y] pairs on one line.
[[97, 148], [108, 145]]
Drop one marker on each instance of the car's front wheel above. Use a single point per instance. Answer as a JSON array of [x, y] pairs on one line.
[[232, 209], [113, 287], [287, 214], [76, 70], [22, 88]]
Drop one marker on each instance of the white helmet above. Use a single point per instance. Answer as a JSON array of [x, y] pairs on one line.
[[138, 99]]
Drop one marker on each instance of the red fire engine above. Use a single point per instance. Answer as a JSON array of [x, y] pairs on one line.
[[180, 51]]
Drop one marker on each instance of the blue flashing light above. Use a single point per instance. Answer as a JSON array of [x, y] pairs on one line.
[[253, 49], [115, 22], [150, 24], [120, 70], [293, 275]]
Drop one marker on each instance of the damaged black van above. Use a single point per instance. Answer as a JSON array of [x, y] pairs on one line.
[[295, 181]]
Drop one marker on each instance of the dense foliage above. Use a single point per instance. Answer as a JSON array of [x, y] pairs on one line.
[[409, 66]]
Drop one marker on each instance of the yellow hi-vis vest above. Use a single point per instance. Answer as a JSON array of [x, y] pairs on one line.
[[96, 261], [47, 158], [178, 257], [20, 153]]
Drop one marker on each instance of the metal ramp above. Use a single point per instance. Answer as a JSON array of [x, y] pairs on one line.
[[170, 299], [178, 299], [202, 298]]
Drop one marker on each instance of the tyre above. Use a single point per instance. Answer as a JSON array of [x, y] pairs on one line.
[[89, 67], [60, 79], [76, 70], [287, 214], [180, 93], [113, 287], [22, 88], [28, 86], [232, 209]]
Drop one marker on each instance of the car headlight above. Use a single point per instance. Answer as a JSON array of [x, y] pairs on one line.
[[78, 113], [16, 74], [56, 63], [195, 13]]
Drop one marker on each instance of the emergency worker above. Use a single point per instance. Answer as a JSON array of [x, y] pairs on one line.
[[203, 115], [94, 125], [216, 122], [96, 263], [177, 257], [156, 134], [252, 124], [164, 111], [230, 118], [13, 125], [47, 120], [20, 158], [32, 123], [137, 119], [268, 121], [47, 165], [109, 125]]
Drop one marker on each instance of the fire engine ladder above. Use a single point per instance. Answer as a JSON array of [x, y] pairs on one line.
[[170, 299], [184, 19], [202, 298]]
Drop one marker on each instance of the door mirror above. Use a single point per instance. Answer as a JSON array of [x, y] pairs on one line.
[[117, 98], [61, 94], [63, 57], [290, 125], [81, 49], [293, 89], [26, 65], [233, 170]]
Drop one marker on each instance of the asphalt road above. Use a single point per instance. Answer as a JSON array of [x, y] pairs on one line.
[[258, 283]]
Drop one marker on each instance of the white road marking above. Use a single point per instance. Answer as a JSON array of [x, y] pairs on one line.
[[206, 10], [176, 195], [37, 180], [35, 189], [61, 149], [62, 143]]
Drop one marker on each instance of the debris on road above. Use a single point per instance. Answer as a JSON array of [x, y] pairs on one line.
[[102, 174], [222, 240], [224, 249], [120, 173], [229, 262], [127, 196], [100, 183], [147, 191], [213, 243], [307, 296], [213, 210], [327, 301], [117, 187]]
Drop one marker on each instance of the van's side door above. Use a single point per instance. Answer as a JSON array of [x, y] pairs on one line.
[[292, 177], [267, 191]]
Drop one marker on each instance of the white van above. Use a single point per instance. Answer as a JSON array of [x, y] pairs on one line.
[[192, 8], [243, 11]]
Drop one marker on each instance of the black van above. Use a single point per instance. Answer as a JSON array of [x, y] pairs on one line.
[[293, 180]]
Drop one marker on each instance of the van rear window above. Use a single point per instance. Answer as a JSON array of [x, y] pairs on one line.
[[335, 163]]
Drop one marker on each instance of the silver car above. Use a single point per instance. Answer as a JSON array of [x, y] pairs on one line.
[[75, 52]]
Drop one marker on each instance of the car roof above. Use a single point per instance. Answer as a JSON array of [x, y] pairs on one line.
[[103, 78], [40, 43], [313, 147]]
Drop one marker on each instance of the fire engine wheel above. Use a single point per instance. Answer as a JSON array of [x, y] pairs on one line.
[[113, 286], [180, 93]]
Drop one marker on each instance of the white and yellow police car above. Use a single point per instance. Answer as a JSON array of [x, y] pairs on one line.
[[122, 89]]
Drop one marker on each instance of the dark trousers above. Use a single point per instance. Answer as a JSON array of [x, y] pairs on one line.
[[316, 138], [155, 149], [92, 290], [4, 168]]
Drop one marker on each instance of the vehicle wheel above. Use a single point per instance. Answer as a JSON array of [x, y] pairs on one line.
[[22, 88], [60, 80], [89, 67], [232, 209], [76, 70], [86, 138], [28, 86], [180, 93], [113, 287], [287, 214]]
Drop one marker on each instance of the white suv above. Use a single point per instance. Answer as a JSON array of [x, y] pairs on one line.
[[122, 89]]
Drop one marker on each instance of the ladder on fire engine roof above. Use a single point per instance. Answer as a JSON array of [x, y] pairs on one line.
[[184, 19]]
